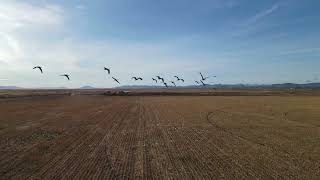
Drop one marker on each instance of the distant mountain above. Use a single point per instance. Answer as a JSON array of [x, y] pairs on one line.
[[138, 87], [9, 87], [87, 87], [235, 86], [291, 85]]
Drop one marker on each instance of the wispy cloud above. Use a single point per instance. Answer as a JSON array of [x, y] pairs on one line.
[[14, 14], [261, 15], [300, 51]]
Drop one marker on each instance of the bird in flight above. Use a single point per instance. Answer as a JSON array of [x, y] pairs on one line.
[[202, 77], [160, 78], [154, 80], [137, 78], [66, 75], [107, 69], [173, 83], [116, 80], [203, 83], [179, 79], [38, 67], [197, 82], [165, 84]]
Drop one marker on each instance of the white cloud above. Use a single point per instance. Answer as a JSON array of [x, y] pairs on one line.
[[21, 48], [15, 15]]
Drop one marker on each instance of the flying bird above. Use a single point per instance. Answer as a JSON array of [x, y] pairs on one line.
[[137, 78], [202, 77], [203, 83], [154, 80], [116, 80], [165, 84], [179, 79], [38, 67], [160, 78], [173, 83], [107, 69], [66, 75], [197, 82]]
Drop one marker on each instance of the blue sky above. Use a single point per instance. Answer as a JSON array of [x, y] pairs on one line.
[[239, 41]]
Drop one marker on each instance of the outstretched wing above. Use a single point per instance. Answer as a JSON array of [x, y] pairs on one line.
[[201, 76]]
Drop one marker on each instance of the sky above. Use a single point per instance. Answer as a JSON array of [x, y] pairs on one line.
[[239, 41]]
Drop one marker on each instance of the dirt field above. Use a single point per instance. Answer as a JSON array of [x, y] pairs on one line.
[[180, 137]]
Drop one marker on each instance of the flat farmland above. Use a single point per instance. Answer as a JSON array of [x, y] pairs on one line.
[[160, 137]]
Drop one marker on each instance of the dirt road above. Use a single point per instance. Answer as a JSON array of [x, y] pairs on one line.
[[98, 137]]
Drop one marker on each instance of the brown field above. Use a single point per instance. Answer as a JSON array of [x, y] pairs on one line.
[[88, 136]]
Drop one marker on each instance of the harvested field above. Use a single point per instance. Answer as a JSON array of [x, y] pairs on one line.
[[143, 137]]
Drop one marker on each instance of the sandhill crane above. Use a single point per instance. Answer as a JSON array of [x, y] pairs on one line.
[[179, 79], [39, 67], [66, 75], [173, 83], [137, 78], [160, 78], [203, 83], [107, 69], [202, 77], [116, 80], [165, 84], [154, 80]]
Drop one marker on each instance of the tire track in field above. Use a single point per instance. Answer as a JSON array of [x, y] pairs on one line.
[[194, 170], [294, 170]]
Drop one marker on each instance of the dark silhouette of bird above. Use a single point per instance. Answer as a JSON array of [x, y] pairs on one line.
[[160, 78], [116, 80], [107, 69], [165, 84], [154, 80], [202, 77], [203, 83], [173, 83], [137, 78], [39, 67], [197, 82], [179, 79], [66, 75]]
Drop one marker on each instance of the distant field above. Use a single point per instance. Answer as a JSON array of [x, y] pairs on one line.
[[159, 92], [276, 136]]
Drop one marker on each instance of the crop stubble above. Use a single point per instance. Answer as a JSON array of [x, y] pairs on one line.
[[165, 137]]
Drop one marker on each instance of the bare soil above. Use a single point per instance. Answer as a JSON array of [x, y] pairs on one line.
[[160, 137]]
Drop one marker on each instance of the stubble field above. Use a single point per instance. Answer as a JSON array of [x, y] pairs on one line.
[[179, 137]]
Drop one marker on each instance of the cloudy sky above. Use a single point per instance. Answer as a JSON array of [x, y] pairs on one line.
[[240, 41]]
